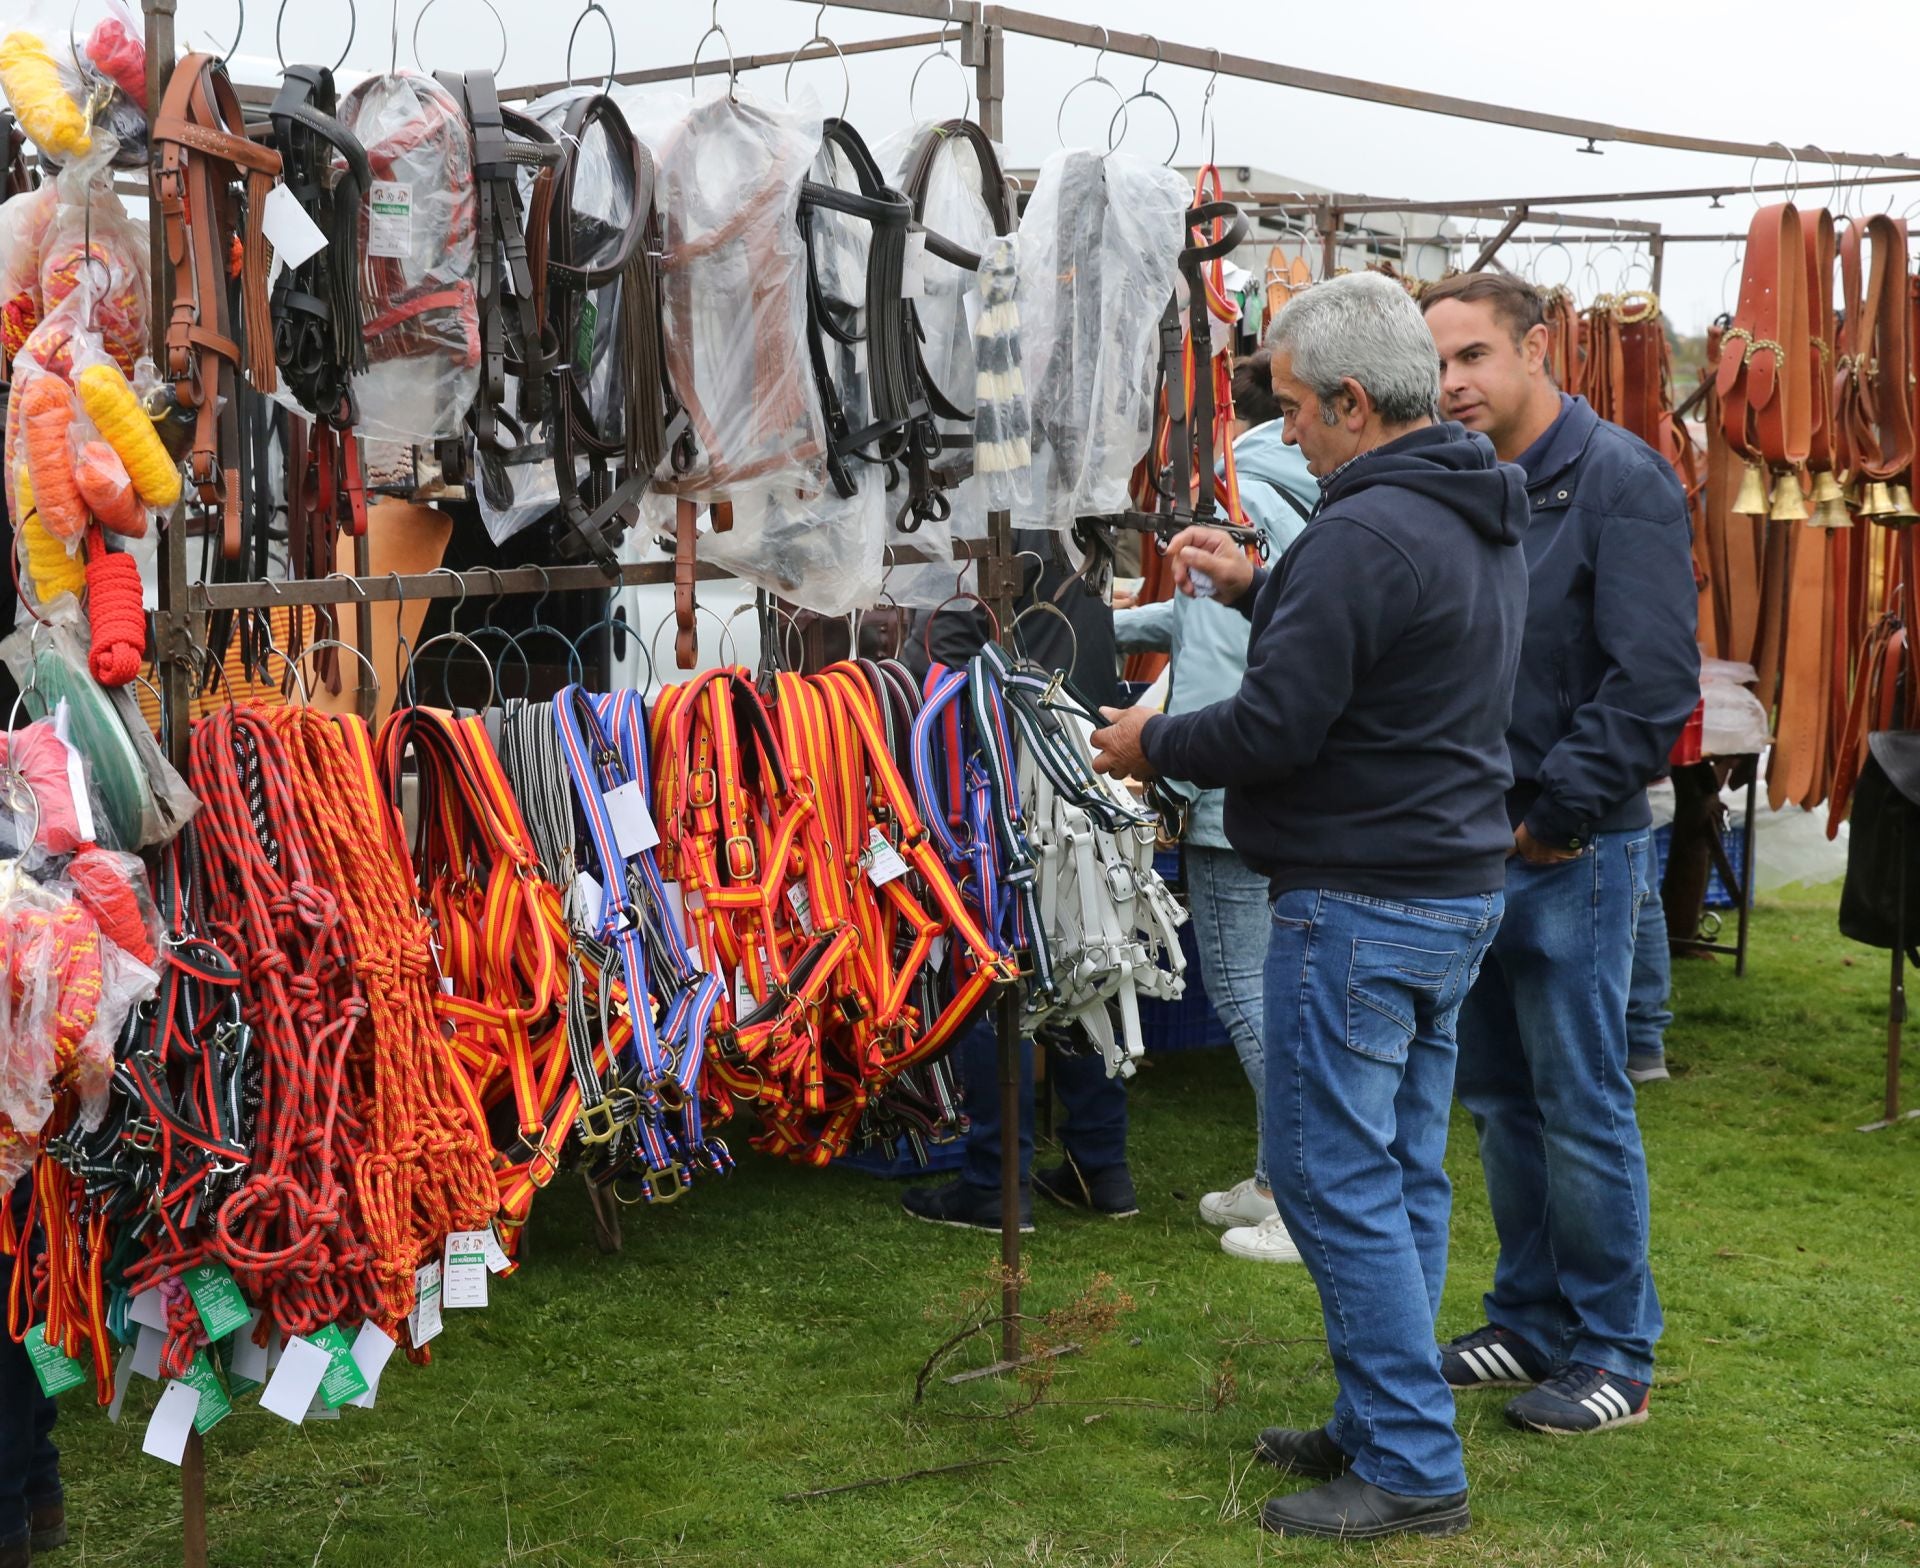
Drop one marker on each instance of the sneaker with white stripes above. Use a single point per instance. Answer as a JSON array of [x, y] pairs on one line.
[[1491, 1357], [1580, 1400]]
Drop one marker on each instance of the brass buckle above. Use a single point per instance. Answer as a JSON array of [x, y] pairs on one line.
[[753, 859], [695, 798], [668, 1184]]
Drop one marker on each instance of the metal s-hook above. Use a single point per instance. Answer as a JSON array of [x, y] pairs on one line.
[[693, 70], [1095, 79], [1793, 179], [1210, 127], [820, 37], [1147, 91], [353, 26], [591, 8], [941, 53]]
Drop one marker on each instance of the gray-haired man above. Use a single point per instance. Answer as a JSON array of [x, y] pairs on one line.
[[1365, 765]]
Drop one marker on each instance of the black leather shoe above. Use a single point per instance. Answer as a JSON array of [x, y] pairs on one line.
[[1351, 1509], [48, 1522], [1302, 1453], [963, 1204], [1109, 1192]]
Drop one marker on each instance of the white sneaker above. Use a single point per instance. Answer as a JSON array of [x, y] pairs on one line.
[[1267, 1242], [1241, 1204]]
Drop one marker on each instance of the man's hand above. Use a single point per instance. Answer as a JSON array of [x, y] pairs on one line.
[[1215, 553], [1534, 853], [1116, 749]]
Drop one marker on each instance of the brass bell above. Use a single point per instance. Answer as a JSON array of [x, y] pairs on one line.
[[1829, 502], [1902, 510], [1789, 505], [1876, 500], [1752, 499]]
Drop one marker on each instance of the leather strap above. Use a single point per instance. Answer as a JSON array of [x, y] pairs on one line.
[[201, 153], [1763, 379], [1872, 412]]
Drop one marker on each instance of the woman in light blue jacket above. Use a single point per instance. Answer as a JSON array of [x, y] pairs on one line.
[[1208, 645]]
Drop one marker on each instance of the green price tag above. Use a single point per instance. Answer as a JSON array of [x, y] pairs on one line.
[[215, 1406], [222, 1308], [583, 338], [56, 1370], [344, 1379]]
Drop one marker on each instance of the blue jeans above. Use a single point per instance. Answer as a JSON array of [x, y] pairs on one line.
[[1543, 1069], [1095, 1133], [1647, 1012], [29, 1463], [1362, 996], [1230, 923]]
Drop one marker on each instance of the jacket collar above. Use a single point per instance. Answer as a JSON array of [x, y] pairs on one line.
[[1565, 445]]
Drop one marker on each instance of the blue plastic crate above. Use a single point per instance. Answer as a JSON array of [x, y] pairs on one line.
[[1719, 895]]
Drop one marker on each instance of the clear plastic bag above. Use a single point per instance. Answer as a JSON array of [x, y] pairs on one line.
[[44, 93], [824, 552], [419, 261], [734, 278], [93, 243], [24, 221], [1100, 244]]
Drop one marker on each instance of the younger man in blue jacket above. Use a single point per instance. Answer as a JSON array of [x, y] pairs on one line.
[[1609, 672]]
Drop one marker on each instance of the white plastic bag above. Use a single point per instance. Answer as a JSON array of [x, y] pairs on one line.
[[1734, 723], [1100, 249]]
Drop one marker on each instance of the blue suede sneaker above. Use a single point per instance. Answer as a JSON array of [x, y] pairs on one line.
[[963, 1204], [1580, 1400], [1491, 1357]]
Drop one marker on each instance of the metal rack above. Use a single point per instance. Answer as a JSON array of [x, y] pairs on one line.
[[984, 33]]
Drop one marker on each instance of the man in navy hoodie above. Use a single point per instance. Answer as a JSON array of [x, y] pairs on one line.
[[1609, 675], [1364, 760]]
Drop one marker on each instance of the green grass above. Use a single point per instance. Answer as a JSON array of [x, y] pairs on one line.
[[763, 1337]]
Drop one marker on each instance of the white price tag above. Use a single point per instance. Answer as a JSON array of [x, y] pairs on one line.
[[882, 860], [371, 1349], [633, 829], [390, 219], [937, 954], [289, 1392], [146, 1352], [423, 1322], [122, 1376], [295, 237], [149, 1310], [802, 907], [586, 892], [252, 1361], [913, 271], [172, 1420], [463, 1278], [497, 1260]]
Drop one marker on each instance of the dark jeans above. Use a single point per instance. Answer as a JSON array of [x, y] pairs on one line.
[[1543, 1069], [1095, 1133], [29, 1463]]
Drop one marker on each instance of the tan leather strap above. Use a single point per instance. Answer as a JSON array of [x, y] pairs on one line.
[[1873, 412], [200, 153], [1766, 397]]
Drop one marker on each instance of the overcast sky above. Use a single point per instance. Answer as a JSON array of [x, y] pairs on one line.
[[1748, 71]]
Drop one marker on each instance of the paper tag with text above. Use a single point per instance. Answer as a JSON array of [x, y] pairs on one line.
[[390, 219], [53, 1368], [633, 829], [423, 1322], [222, 1308], [463, 1277], [882, 860]]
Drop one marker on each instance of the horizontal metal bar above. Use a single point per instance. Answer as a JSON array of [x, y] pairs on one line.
[[1092, 35], [483, 583], [1264, 203], [716, 65], [1627, 239], [1599, 198]]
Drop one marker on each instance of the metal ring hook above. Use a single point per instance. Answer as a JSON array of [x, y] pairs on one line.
[[613, 43], [733, 71], [1093, 80], [1210, 127], [1793, 179], [239, 32], [820, 37], [353, 27], [966, 84], [498, 21]]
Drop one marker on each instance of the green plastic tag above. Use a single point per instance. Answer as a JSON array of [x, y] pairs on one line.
[[344, 1379], [583, 338], [215, 1406], [56, 1370], [222, 1308]]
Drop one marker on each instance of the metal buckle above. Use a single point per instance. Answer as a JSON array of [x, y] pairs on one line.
[[694, 796], [543, 1167], [1120, 880], [667, 1184], [141, 1134], [597, 1123], [753, 859]]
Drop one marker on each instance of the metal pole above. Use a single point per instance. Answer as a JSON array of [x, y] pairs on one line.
[[1657, 255], [1492, 247]]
